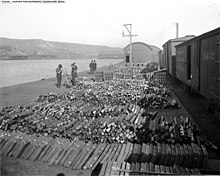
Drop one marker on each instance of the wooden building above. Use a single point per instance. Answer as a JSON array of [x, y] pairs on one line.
[[198, 64], [168, 60]]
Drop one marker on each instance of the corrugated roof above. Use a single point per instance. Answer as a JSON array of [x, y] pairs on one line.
[[141, 43], [181, 39], [217, 30]]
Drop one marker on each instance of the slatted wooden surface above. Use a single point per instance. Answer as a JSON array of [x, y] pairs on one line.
[[81, 155]]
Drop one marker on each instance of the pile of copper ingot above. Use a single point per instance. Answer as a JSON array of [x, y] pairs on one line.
[[120, 73], [106, 125]]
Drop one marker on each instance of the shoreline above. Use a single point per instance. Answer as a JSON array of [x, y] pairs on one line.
[[25, 93], [25, 71], [49, 59], [57, 59]]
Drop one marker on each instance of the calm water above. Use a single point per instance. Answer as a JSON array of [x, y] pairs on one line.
[[14, 72]]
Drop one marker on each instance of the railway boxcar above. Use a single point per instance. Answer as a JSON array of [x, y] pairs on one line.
[[198, 64], [168, 60]]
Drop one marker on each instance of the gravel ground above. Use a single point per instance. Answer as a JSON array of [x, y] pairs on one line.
[[20, 167], [196, 106], [23, 94]]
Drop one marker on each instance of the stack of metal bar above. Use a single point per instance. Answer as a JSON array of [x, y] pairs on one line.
[[142, 169], [105, 124], [128, 76], [137, 70], [157, 102], [187, 156], [81, 120], [75, 154], [139, 77], [80, 155], [148, 76], [99, 76], [119, 75], [159, 77], [108, 75]]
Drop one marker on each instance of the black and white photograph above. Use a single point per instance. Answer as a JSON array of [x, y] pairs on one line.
[[109, 87]]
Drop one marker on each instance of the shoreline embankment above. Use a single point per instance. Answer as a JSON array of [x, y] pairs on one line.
[[26, 93]]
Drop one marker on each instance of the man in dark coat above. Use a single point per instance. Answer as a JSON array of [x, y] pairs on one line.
[[59, 75], [95, 65], [74, 74], [91, 66]]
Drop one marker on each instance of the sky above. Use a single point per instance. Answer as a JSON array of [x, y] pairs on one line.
[[100, 22]]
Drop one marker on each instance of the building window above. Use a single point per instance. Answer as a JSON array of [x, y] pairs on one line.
[[188, 63]]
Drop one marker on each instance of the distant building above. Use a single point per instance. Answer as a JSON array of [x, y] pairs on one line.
[[111, 55], [17, 55], [41, 57], [168, 60], [141, 53], [38, 53], [4, 51]]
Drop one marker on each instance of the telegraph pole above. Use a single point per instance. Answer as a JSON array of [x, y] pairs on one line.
[[130, 35]]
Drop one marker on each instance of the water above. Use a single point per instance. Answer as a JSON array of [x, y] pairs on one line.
[[14, 72]]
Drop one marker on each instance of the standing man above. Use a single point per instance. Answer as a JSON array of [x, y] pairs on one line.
[[91, 66], [95, 65], [74, 74], [59, 75]]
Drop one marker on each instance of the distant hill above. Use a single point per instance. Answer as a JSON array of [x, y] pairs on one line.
[[37, 47]]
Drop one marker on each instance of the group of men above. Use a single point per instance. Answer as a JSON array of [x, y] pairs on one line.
[[93, 66], [59, 71], [74, 68]]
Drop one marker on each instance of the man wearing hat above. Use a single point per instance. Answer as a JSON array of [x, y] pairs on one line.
[[59, 75], [74, 73], [91, 67]]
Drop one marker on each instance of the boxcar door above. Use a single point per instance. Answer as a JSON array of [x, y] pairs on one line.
[[209, 67], [203, 66], [212, 72], [217, 78]]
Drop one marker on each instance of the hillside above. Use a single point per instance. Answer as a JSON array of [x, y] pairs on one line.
[[38, 47]]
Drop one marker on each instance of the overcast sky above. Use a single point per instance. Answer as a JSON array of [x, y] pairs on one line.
[[100, 22]]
